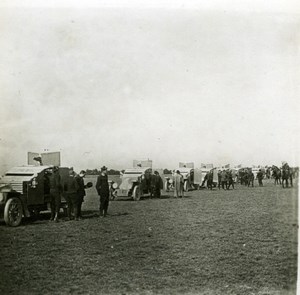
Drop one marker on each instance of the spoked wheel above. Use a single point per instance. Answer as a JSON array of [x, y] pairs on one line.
[[13, 212], [136, 195]]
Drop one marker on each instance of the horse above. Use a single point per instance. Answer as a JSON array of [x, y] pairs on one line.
[[276, 174]]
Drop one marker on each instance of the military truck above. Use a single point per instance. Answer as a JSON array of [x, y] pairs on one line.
[[136, 182], [24, 191]]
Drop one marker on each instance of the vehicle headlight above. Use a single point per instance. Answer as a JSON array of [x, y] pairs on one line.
[[171, 181]]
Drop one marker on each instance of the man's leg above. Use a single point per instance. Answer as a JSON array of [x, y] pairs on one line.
[[101, 208], [57, 206], [106, 202], [52, 207]]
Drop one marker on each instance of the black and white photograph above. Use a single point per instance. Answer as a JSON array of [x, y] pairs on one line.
[[149, 147]]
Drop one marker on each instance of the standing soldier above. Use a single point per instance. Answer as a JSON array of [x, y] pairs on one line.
[[230, 181], [71, 188], [260, 177], [210, 176], [80, 191], [152, 185], [178, 184], [158, 185], [102, 188], [250, 178], [224, 179], [55, 191]]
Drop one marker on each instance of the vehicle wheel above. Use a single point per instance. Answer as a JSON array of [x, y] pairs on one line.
[[185, 186], [136, 195], [13, 212]]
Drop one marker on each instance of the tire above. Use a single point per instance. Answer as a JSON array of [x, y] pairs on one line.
[[13, 212], [136, 195]]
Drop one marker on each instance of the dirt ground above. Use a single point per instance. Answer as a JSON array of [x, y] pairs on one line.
[[242, 241]]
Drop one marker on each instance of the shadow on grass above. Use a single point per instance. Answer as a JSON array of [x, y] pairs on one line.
[[95, 214]]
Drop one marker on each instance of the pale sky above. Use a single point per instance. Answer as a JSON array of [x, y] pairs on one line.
[[107, 82]]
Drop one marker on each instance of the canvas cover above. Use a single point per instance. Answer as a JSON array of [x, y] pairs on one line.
[[186, 165], [207, 166], [142, 163], [52, 158]]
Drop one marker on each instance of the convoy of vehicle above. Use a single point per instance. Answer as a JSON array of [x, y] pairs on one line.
[[24, 190]]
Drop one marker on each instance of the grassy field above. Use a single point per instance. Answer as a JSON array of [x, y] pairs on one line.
[[242, 241]]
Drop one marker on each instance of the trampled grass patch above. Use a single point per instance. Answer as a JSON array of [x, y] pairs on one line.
[[242, 241]]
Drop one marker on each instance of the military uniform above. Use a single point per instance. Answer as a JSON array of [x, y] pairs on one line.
[[158, 185], [260, 177], [71, 188], [102, 188], [80, 193], [55, 191]]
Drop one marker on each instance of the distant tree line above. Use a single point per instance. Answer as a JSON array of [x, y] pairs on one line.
[[98, 172], [115, 172]]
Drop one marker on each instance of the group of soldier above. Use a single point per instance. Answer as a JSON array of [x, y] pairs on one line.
[[246, 177], [227, 178], [72, 189]]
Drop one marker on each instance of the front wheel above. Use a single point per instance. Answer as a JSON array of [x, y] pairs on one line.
[[136, 195], [13, 212]]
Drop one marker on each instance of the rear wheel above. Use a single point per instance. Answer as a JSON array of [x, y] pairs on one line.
[[13, 212], [136, 195]]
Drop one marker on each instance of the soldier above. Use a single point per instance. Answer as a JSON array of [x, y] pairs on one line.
[[102, 188], [224, 179], [55, 191], [158, 185], [210, 180], [178, 184], [80, 191], [152, 185], [246, 177], [71, 188], [250, 178], [260, 177], [230, 181]]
